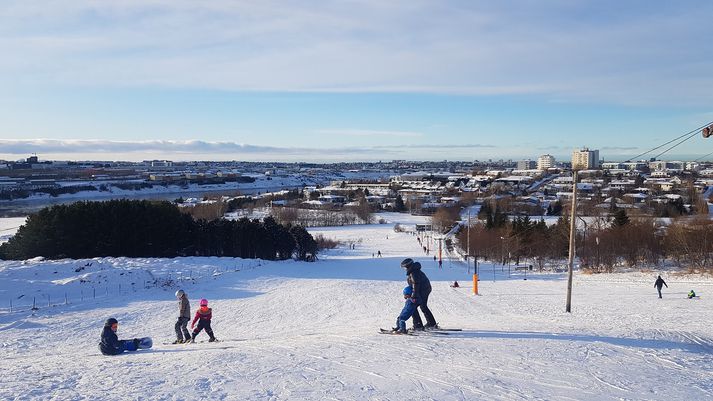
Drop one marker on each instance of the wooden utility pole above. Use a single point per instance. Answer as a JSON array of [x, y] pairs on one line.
[[572, 233], [467, 252]]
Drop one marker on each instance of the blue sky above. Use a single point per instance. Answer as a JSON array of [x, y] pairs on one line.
[[351, 80]]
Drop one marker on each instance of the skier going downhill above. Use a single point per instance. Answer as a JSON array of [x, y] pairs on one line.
[[421, 290], [406, 313]]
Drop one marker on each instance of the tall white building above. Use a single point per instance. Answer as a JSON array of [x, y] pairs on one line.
[[545, 161], [584, 159]]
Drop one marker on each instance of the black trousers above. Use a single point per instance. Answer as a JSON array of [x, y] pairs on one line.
[[203, 324], [182, 332], [423, 305]]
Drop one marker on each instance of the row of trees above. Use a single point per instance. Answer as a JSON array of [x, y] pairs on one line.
[[150, 229], [603, 244]]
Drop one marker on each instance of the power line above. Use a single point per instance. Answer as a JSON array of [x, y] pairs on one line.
[[689, 134], [703, 157], [680, 142]]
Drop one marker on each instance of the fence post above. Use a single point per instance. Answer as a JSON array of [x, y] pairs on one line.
[[81, 295], [119, 288], [34, 307], [65, 299], [49, 301], [106, 291], [94, 291], [10, 305]]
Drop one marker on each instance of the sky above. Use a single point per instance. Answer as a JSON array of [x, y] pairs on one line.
[[352, 80]]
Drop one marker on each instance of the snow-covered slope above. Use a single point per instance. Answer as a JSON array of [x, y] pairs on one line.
[[294, 330]]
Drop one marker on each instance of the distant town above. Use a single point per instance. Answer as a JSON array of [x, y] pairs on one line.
[[661, 188]]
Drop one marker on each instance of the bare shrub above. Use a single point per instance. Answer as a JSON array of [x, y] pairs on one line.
[[206, 211], [444, 218], [325, 243]]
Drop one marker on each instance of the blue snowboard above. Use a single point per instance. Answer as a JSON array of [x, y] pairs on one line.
[[145, 343]]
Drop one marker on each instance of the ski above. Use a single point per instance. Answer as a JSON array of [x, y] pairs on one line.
[[200, 342], [428, 332], [395, 333], [444, 329]]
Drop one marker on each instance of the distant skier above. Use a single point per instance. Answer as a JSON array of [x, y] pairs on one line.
[[659, 284], [408, 310], [184, 315], [421, 290], [691, 294], [203, 316], [110, 343], [378, 254]]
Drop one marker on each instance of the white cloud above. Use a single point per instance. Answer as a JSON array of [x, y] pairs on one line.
[[204, 150], [602, 51], [363, 132]]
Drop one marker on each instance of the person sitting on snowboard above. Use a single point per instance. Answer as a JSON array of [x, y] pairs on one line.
[[203, 316], [691, 294], [406, 312], [110, 343]]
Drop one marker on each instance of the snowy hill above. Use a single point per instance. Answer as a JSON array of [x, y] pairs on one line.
[[308, 331]]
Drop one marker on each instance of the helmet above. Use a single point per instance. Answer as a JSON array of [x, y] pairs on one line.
[[204, 302], [180, 293], [406, 263], [110, 322], [408, 290]]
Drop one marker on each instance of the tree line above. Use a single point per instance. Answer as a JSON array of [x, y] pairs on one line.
[[134, 228], [603, 244]]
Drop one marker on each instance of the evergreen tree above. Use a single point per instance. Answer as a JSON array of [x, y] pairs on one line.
[[620, 218], [399, 204], [148, 229]]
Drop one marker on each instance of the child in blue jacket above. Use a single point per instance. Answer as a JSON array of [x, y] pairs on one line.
[[406, 312], [110, 343]]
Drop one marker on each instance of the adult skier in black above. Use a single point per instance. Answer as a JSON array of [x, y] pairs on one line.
[[659, 284], [421, 290]]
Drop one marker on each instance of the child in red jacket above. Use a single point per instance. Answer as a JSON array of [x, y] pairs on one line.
[[203, 316]]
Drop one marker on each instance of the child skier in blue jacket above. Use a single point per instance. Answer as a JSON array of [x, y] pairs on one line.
[[406, 312]]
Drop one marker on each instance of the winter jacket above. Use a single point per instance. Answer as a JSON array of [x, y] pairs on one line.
[[660, 283], [418, 280], [184, 307], [407, 311], [110, 343], [200, 314]]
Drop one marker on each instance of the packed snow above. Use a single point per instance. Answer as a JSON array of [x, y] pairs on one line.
[[297, 330], [9, 226]]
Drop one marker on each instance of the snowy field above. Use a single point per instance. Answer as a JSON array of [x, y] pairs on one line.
[[308, 331], [9, 226]]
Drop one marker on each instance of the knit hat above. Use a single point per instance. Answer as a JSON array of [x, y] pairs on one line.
[[406, 263], [204, 302]]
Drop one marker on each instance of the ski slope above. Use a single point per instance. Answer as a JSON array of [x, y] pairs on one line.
[[308, 331]]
